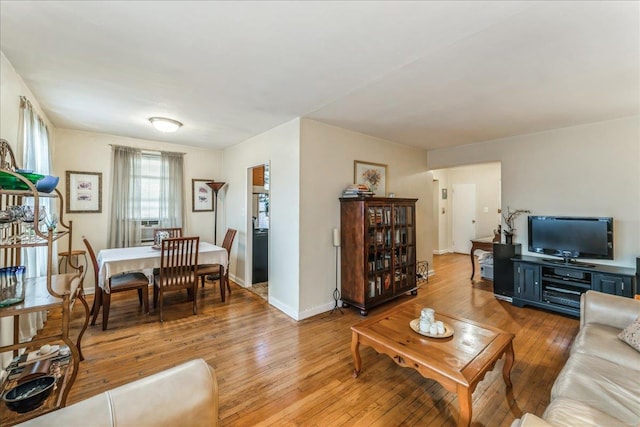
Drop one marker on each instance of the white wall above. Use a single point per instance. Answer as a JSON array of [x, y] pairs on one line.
[[486, 178], [280, 147], [326, 164], [11, 88], [589, 170], [91, 152]]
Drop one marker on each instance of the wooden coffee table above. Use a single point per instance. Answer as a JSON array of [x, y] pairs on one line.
[[458, 363]]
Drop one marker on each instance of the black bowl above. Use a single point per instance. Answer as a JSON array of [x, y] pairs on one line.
[[29, 395]]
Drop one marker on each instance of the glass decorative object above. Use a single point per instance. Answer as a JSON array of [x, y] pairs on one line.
[[11, 285]]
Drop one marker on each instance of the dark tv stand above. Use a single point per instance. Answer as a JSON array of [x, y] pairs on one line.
[[555, 285], [569, 262]]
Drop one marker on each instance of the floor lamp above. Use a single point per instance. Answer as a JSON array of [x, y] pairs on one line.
[[215, 186], [336, 292]]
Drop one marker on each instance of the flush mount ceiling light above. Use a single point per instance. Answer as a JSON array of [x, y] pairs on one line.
[[165, 125]]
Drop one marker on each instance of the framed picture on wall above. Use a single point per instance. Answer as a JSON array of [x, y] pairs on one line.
[[373, 175], [84, 192], [202, 195]]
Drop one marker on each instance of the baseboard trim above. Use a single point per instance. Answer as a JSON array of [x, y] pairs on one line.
[[318, 310], [237, 280], [441, 251], [283, 308]]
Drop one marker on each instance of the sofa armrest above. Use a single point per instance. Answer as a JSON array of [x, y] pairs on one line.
[[530, 420], [186, 394], [606, 309]]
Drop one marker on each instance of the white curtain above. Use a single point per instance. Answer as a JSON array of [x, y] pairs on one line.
[[37, 157], [172, 190], [124, 221], [33, 139]]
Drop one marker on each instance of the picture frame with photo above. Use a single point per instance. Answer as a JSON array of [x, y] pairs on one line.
[[202, 195], [372, 175], [83, 192]]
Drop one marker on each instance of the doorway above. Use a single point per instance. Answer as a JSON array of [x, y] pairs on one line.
[[260, 204], [463, 211], [483, 205]]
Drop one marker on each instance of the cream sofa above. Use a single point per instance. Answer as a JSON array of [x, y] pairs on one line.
[[600, 383], [185, 395]]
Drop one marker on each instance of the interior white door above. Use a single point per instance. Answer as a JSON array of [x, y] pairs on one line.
[[463, 213]]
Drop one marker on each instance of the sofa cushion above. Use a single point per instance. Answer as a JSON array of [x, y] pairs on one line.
[[602, 385], [185, 395], [631, 334], [602, 341], [567, 412]]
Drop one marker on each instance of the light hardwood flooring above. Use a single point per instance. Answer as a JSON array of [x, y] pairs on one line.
[[275, 371], [261, 289]]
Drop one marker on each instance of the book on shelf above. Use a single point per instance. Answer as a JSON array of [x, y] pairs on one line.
[[357, 190]]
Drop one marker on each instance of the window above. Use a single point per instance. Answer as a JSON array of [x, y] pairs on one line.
[[150, 186], [147, 192]]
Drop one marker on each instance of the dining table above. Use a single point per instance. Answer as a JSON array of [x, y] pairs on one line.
[[145, 259]]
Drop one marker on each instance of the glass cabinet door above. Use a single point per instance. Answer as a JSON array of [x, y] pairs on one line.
[[379, 256]]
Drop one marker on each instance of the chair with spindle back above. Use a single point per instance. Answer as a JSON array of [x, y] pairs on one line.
[[178, 269], [171, 231], [120, 283], [212, 271]]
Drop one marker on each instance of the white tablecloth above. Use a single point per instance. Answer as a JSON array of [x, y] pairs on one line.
[[144, 258]]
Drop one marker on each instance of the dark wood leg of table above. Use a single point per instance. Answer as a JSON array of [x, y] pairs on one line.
[[508, 363], [97, 303], [473, 264], [355, 352], [222, 284]]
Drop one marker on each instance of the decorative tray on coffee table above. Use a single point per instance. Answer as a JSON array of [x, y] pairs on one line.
[[415, 325]]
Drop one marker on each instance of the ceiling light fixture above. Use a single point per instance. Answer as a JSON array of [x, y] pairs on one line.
[[165, 125]]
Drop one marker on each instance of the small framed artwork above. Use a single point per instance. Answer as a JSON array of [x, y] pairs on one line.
[[202, 195], [84, 192], [373, 175]]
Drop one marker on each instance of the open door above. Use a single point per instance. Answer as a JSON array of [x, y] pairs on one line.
[[259, 231], [463, 210]]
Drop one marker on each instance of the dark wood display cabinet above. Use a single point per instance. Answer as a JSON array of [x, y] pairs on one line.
[[378, 241]]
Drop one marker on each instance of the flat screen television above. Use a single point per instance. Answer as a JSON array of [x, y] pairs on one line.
[[571, 237]]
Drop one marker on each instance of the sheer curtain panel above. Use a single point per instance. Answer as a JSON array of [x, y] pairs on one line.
[[36, 156], [33, 139], [124, 220], [172, 190]]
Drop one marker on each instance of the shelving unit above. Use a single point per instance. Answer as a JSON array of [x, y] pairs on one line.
[[557, 286], [49, 292], [378, 241]]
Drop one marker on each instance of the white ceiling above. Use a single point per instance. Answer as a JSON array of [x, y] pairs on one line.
[[429, 74]]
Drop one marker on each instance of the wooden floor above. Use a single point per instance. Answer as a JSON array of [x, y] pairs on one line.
[[274, 371]]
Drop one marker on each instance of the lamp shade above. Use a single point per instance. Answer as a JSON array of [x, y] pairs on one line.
[[216, 186], [164, 124]]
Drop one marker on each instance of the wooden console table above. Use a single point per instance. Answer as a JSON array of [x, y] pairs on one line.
[[484, 243]]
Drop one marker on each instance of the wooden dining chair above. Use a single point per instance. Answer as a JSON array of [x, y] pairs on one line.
[[168, 233], [173, 231], [178, 269], [120, 283], [212, 271]]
